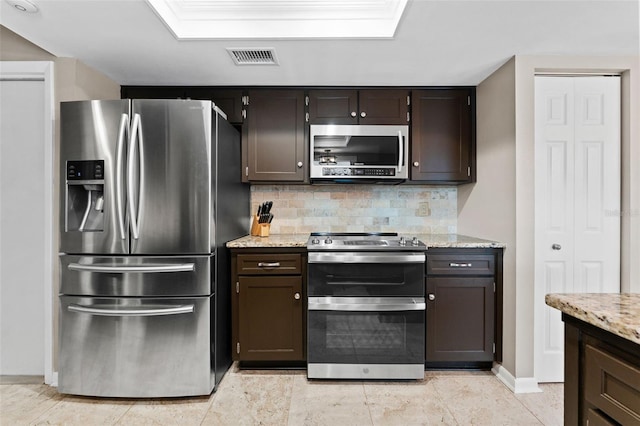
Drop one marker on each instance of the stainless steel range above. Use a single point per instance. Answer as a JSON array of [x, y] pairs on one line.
[[366, 306]]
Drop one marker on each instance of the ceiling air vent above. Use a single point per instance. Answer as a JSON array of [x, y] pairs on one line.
[[253, 56]]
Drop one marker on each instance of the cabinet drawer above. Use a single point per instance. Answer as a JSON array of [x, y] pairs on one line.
[[464, 264], [612, 385], [269, 264]]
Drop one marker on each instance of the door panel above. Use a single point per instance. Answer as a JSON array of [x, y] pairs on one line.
[[270, 326], [577, 201], [172, 201], [138, 348], [90, 131], [136, 276]]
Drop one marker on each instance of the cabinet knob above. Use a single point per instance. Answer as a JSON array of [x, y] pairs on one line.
[[299, 164], [416, 164], [296, 296], [353, 113], [432, 296], [363, 114], [556, 246]]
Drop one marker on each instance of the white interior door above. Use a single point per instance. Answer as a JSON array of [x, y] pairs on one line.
[[577, 202], [23, 212]]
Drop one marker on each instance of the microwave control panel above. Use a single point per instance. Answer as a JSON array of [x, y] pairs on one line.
[[357, 171]]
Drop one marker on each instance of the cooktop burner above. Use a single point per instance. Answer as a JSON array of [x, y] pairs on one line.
[[357, 241]]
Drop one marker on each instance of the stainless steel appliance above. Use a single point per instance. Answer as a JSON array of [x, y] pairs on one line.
[[150, 193], [359, 153], [366, 307]]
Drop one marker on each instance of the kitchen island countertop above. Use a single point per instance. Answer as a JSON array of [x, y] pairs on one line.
[[300, 240], [616, 313]]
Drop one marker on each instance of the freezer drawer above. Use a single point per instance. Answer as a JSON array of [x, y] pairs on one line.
[[136, 347], [136, 275]]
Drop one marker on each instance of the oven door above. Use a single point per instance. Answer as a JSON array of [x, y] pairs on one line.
[[366, 274], [366, 338]]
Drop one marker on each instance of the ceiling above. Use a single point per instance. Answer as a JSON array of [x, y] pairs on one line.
[[437, 43]]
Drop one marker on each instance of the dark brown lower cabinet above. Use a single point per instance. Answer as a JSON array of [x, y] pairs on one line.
[[270, 324], [602, 376], [464, 300], [460, 319], [268, 305]]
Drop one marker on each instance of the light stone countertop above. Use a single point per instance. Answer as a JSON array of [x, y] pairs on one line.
[[300, 240], [613, 312]]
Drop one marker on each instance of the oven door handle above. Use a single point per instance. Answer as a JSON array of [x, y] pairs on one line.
[[362, 257], [361, 304]]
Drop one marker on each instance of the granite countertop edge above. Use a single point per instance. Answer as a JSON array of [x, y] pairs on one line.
[[617, 313], [300, 240]]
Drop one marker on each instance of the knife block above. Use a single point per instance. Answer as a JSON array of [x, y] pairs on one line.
[[259, 229]]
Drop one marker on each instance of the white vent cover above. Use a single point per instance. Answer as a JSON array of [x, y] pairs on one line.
[[253, 56]]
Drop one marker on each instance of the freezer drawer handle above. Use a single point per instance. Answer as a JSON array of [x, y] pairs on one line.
[[172, 310], [184, 267]]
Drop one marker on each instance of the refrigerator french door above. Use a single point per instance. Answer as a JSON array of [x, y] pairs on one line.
[[141, 172], [143, 272]]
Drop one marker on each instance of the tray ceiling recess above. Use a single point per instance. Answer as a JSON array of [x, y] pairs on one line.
[[280, 19]]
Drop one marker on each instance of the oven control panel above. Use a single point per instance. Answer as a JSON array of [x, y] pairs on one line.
[[359, 243]]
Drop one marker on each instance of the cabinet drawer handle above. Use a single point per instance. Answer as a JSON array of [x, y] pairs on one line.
[[268, 264], [460, 265], [296, 296]]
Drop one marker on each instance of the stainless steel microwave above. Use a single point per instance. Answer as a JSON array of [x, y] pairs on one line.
[[359, 153]]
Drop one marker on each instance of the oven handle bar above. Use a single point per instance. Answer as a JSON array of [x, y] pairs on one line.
[[369, 304], [362, 257]]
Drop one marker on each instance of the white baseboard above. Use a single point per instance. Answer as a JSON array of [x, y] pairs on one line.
[[52, 380], [517, 385]]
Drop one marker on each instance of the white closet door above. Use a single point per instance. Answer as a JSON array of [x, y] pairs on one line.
[[577, 202]]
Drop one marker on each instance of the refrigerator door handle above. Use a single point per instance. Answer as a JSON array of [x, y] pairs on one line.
[[133, 312], [135, 142], [122, 133], [116, 269]]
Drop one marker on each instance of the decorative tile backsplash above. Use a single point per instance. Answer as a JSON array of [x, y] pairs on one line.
[[406, 209]]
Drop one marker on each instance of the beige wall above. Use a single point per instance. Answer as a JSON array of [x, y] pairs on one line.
[[512, 219], [73, 80], [486, 209]]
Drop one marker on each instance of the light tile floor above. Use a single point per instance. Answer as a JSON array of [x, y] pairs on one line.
[[278, 397]]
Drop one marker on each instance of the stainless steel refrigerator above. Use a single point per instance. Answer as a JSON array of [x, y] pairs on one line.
[[150, 193]]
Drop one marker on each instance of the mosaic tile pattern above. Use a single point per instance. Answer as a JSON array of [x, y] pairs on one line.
[[406, 209]]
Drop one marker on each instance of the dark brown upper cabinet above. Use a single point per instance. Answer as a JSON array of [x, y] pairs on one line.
[[442, 136], [274, 147], [367, 106], [228, 100]]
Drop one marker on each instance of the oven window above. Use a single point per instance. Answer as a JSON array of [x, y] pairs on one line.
[[366, 337], [366, 279]]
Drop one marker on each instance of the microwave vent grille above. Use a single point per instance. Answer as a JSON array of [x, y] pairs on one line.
[[253, 56]]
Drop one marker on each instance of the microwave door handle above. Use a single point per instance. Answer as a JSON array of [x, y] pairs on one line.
[[400, 151]]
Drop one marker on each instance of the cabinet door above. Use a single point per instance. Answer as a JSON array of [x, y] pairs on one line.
[[383, 106], [441, 136], [333, 107], [270, 318], [460, 319], [273, 137]]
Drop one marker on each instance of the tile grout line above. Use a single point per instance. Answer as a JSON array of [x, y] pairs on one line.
[[444, 403]]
